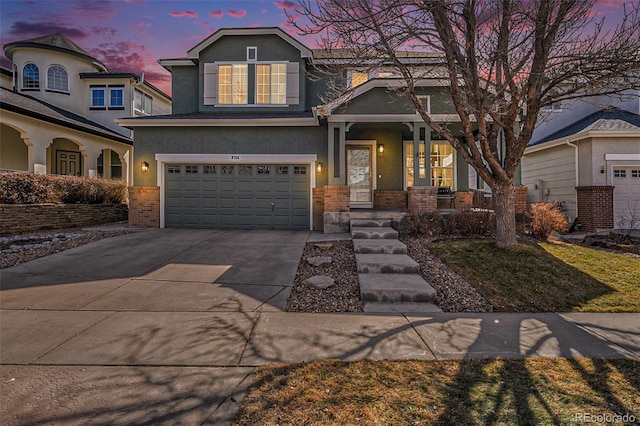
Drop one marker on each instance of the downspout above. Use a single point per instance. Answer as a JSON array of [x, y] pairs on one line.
[[575, 160]]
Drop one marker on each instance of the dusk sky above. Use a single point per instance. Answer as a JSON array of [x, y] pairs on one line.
[[131, 35]]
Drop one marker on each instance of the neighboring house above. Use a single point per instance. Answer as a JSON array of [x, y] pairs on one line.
[[587, 155], [59, 107], [251, 144]]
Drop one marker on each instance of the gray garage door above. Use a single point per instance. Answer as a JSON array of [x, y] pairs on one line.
[[243, 196]]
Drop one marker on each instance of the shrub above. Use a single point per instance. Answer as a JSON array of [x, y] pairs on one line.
[[546, 218], [476, 223], [29, 188], [466, 223]]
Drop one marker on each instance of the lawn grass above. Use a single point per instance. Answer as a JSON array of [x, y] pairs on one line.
[[530, 391], [545, 277]]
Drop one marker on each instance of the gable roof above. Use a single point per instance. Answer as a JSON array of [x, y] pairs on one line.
[[35, 108], [56, 42], [608, 119], [194, 52]]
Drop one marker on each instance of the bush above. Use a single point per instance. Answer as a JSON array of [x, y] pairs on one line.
[[546, 218], [467, 223], [29, 188]]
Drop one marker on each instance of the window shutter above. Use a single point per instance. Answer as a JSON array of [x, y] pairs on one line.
[[293, 83], [473, 178], [210, 84]]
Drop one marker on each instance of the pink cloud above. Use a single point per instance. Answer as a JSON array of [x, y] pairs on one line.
[[216, 13], [237, 13], [285, 4], [182, 14]]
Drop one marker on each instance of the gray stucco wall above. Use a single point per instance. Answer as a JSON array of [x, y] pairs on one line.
[[226, 140], [184, 89], [380, 100]]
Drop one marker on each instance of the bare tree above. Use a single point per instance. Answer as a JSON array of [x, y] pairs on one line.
[[505, 61]]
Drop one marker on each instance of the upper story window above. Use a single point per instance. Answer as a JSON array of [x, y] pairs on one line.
[[232, 84], [426, 103], [116, 98], [57, 79], [142, 102], [271, 84], [30, 77], [356, 78], [252, 54], [98, 97]]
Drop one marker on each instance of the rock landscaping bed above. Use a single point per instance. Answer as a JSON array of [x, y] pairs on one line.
[[26, 247], [615, 242], [319, 295]]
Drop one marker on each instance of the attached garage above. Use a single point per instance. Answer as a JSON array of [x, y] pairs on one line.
[[257, 194], [626, 197]]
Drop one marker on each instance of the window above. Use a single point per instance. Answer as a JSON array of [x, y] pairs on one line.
[[191, 169], [116, 98], [282, 170], [30, 77], [173, 169], [271, 84], [116, 166], [635, 173], [57, 79], [356, 78], [142, 102], [619, 173], [264, 169], [252, 54], [232, 84], [441, 164], [299, 170], [209, 169], [426, 103], [97, 97]]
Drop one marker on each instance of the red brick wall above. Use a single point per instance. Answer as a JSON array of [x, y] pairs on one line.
[[336, 198], [390, 200], [521, 199], [144, 206], [463, 200], [422, 199], [318, 209], [22, 218], [595, 207]]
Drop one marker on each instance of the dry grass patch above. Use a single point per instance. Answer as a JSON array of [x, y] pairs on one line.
[[532, 391], [545, 277]]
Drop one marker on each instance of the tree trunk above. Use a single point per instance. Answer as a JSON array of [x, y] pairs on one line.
[[504, 197]]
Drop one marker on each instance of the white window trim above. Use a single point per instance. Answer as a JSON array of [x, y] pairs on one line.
[[218, 104], [47, 80], [21, 77], [251, 49], [122, 90], [161, 159], [428, 102], [454, 183], [255, 99]]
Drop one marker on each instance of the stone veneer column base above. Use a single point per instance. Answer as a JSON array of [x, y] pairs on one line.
[[422, 199], [144, 206], [595, 207]]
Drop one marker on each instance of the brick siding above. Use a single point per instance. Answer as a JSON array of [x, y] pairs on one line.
[[24, 218], [521, 199], [422, 199], [144, 206], [336, 198], [390, 200], [463, 200], [595, 207]]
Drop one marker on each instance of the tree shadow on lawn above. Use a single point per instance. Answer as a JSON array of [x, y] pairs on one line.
[[522, 279]]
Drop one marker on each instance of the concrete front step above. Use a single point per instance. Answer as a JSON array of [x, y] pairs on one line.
[[379, 247], [371, 233], [375, 223], [395, 288], [399, 307], [386, 264]]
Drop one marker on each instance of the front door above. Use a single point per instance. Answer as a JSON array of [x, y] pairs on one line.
[[67, 163], [359, 175]]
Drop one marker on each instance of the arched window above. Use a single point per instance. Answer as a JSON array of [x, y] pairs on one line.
[[57, 79], [30, 77]]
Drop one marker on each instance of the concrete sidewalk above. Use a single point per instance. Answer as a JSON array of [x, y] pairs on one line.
[[166, 326]]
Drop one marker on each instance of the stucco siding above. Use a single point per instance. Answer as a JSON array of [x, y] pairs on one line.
[[184, 84], [553, 172], [226, 140]]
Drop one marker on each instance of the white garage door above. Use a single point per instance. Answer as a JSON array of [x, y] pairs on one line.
[[626, 197], [242, 196]]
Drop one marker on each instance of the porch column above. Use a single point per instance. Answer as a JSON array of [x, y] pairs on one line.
[[336, 153], [90, 155], [421, 134], [37, 152]]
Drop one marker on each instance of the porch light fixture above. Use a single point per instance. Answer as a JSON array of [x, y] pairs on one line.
[[144, 167], [319, 167], [603, 170], [381, 148]]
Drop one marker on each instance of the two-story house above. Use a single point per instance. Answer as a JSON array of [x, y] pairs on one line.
[[58, 112], [586, 153], [256, 141]]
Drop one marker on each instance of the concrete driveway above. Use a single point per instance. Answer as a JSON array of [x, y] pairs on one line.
[[147, 327]]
